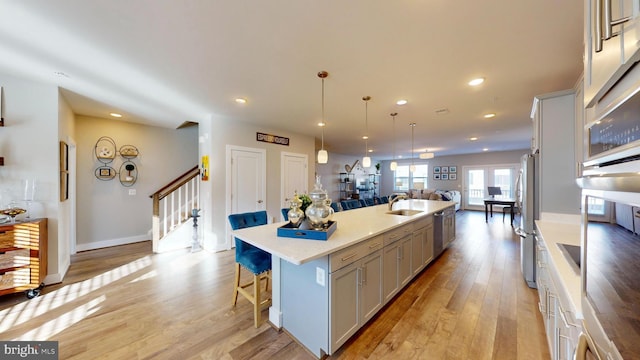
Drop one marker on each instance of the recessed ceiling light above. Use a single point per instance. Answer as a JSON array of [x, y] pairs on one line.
[[473, 138], [365, 137], [476, 82], [489, 116], [485, 149], [370, 150], [241, 100], [116, 115], [401, 102], [322, 124]]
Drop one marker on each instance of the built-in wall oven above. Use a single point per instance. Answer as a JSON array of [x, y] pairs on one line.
[[610, 245], [610, 265], [612, 129]]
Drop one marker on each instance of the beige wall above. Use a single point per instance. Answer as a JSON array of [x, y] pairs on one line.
[[106, 213]]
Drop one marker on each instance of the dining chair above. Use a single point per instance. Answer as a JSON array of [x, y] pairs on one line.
[[253, 259]]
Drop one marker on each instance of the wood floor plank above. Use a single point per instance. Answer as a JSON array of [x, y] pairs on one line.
[[126, 303]]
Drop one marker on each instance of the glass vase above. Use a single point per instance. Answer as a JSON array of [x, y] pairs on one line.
[[319, 212]]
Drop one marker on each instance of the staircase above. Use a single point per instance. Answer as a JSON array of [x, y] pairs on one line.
[[172, 207]]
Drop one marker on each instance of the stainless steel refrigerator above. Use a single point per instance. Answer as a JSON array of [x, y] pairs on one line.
[[527, 188]]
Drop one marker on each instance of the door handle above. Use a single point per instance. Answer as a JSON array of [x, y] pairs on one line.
[[259, 201]]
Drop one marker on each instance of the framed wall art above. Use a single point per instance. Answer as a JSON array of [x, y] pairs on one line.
[[453, 169], [436, 169], [64, 171], [453, 176], [445, 176]]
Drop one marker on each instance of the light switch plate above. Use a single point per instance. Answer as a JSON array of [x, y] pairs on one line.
[[320, 276], [132, 191]]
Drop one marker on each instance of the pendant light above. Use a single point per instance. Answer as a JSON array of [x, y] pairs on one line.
[[394, 165], [323, 156], [366, 160], [412, 168]]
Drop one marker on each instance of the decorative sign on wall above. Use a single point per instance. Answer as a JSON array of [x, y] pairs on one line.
[[274, 139], [204, 172]]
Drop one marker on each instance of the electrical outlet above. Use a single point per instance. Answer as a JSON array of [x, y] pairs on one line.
[[132, 191], [320, 276]]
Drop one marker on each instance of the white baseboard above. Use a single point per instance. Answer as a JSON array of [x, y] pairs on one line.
[[112, 242]]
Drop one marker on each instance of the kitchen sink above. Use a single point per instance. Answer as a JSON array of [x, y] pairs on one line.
[[572, 254], [404, 212]]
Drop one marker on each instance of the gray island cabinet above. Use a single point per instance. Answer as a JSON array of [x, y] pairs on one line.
[[325, 291]]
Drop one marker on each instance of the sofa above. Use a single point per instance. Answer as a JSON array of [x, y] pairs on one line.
[[433, 194]]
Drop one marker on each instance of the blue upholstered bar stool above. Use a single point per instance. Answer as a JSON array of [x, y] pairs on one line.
[[257, 261], [350, 204], [285, 213]]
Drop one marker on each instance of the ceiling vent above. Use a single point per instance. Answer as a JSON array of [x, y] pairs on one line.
[[443, 111]]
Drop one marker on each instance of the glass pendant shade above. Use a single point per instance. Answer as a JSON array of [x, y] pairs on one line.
[[427, 155], [323, 156], [366, 162], [393, 166]]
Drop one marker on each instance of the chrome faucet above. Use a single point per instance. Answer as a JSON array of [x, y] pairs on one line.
[[396, 198]]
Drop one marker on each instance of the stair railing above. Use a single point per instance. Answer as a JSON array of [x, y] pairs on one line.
[[172, 204]]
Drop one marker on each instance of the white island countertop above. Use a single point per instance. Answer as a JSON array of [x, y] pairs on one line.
[[353, 226]]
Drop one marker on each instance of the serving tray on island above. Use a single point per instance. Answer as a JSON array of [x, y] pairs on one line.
[[305, 232]]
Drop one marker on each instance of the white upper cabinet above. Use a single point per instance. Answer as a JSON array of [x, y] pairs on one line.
[[612, 31]]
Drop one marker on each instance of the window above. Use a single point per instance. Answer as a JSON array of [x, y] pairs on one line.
[[419, 177], [595, 206], [403, 179]]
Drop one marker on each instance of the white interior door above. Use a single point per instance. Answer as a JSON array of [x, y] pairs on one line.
[[246, 180], [294, 176]]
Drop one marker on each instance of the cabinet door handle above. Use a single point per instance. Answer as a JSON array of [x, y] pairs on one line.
[[374, 246], [597, 27], [348, 257], [364, 275], [609, 23]]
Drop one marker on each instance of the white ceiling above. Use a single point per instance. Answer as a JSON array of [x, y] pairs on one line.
[[164, 62]]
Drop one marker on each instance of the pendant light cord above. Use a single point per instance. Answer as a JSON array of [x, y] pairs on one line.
[[323, 121]]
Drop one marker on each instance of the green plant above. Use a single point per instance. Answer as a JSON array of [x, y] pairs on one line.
[[378, 166], [306, 201]]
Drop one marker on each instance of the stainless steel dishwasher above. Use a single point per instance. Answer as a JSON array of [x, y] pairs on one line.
[[438, 233]]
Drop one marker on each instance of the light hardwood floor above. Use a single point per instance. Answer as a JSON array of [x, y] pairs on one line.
[[127, 303]]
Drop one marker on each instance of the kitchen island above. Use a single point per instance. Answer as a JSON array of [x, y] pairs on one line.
[[324, 291]]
